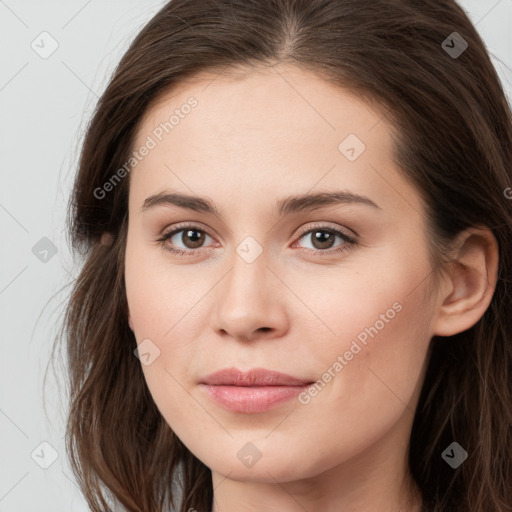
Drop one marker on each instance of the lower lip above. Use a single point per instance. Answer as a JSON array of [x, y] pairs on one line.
[[252, 399]]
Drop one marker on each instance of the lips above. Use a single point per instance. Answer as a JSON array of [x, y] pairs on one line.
[[254, 377], [255, 391]]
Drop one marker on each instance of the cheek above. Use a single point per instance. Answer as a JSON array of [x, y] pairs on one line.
[[158, 294], [164, 302], [380, 324], [370, 372]]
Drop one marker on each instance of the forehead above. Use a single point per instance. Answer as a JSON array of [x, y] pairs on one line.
[[282, 96], [263, 130]]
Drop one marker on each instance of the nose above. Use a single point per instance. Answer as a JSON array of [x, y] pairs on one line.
[[250, 302]]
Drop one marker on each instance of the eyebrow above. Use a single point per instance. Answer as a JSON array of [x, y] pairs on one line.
[[285, 206]]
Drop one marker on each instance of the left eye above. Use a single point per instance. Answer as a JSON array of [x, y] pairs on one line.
[[325, 237]]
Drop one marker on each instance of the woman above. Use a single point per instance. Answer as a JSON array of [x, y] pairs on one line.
[[296, 283]]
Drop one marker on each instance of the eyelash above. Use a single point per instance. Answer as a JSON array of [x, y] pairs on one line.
[[350, 241]]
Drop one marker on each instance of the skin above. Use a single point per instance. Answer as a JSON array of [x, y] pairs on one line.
[[253, 139]]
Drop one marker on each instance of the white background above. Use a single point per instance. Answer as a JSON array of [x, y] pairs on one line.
[[45, 105]]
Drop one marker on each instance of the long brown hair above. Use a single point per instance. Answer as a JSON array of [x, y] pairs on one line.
[[454, 143]]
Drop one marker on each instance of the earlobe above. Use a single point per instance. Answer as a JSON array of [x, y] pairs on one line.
[[472, 278], [130, 322]]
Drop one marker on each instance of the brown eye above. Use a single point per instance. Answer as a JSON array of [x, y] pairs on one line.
[[322, 239], [184, 240], [194, 236]]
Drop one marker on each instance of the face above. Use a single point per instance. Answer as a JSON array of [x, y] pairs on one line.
[[331, 289]]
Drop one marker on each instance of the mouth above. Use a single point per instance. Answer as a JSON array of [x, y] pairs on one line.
[[255, 391]]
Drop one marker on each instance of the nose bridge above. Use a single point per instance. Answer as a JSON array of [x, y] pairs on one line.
[[247, 281]]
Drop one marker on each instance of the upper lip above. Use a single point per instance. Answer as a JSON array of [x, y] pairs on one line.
[[253, 377]]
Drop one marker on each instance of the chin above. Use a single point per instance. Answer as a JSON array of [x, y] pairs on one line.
[[267, 469]]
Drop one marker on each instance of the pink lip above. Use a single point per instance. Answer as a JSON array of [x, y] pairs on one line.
[[254, 391]]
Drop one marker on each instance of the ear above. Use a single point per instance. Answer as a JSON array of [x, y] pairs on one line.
[[468, 290]]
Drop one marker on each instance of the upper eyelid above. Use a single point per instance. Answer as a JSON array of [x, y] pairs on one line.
[[180, 227], [325, 226]]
